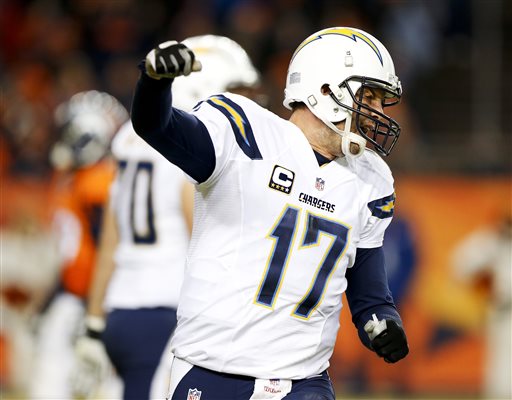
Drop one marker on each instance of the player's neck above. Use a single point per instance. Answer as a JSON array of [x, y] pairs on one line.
[[316, 132]]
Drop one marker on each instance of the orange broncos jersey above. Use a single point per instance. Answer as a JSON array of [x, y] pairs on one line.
[[80, 197]]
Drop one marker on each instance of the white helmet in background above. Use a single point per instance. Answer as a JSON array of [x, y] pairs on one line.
[[225, 65], [325, 73], [87, 123]]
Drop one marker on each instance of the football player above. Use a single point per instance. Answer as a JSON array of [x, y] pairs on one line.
[[289, 214], [86, 125], [145, 237]]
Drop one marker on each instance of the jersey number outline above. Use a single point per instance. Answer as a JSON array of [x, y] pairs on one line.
[[283, 234], [141, 198]]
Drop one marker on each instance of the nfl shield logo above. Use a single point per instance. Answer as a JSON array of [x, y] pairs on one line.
[[319, 184], [194, 394]]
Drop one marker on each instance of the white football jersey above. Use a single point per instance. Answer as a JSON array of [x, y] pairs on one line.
[[273, 236], [153, 236]]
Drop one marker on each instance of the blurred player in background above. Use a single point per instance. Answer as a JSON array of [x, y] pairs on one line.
[[83, 173], [29, 267], [289, 214], [145, 238], [484, 259]]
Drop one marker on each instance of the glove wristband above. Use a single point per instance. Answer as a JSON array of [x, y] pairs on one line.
[[94, 326]]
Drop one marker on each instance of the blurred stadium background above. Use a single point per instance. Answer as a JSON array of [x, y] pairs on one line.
[[452, 164]]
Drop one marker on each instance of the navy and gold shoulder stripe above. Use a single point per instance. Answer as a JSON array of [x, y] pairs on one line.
[[384, 207], [239, 123]]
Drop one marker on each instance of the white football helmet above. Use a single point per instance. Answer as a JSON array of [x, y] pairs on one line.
[[225, 65], [87, 123], [326, 72]]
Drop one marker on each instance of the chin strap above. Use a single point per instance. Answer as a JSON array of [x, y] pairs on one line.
[[352, 144]]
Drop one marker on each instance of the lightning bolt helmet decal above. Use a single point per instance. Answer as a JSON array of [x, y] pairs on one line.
[[347, 32]]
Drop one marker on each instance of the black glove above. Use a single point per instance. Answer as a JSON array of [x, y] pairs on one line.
[[171, 59], [391, 344]]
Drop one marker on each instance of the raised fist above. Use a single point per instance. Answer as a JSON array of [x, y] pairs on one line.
[[171, 59]]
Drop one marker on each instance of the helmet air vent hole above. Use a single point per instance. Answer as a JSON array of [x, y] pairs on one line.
[[325, 89]]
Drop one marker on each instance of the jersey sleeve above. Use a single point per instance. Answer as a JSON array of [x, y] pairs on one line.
[[379, 201], [227, 118]]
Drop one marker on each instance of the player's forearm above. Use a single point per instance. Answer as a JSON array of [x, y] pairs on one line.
[[104, 266], [152, 105], [368, 291]]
